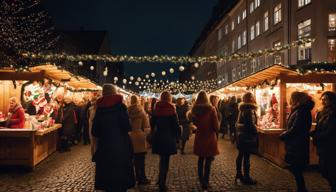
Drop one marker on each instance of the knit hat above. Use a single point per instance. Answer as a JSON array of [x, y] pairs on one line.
[[109, 89]]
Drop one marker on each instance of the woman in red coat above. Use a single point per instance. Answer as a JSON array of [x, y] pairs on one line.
[[16, 119], [205, 118]]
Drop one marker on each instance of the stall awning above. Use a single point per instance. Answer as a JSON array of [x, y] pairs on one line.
[[266, 74], [52, 72]]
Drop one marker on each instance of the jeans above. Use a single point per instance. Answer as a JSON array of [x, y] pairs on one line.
[[204, 170], [139, 166], [163, 169], [243, 156], [297, 171]]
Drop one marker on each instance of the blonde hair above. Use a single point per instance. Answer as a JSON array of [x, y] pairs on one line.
[[202, 98], [248, 98], [166, 96], [134, 100], [14, 99]]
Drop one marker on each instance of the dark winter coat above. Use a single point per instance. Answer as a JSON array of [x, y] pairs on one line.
[[233, 112], [68, 120], [205, 119], [184, 122], [324, 139], [247, 135], [296, 137], [165, 129], [113, 157]]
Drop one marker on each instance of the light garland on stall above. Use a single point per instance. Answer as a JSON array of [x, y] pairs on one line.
[[164, 58]]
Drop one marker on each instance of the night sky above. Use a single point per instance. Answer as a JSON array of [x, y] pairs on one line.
[[137, 27]]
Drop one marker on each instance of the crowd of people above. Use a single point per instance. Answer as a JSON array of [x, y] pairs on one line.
[[121, 131]]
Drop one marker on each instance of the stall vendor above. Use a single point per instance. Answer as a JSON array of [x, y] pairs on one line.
[[16, 118]]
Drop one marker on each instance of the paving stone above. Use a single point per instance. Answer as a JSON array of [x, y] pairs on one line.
[[74, 171]]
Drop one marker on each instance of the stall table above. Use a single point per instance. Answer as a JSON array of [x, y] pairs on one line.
[[27, 147]]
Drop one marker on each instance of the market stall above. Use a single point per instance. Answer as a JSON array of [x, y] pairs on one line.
[[37, 139], [272, 88]]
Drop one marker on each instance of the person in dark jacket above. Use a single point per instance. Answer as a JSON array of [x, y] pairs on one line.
[[205, 117], [324, 138], [182, 108], [68, 119], [232, 118], [165, 134], [113, 156], [296, 137], [247, 138]]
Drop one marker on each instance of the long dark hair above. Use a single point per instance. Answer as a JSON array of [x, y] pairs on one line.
[[332, 99]]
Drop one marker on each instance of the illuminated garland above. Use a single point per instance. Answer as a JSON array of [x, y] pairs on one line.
[[164, 58]]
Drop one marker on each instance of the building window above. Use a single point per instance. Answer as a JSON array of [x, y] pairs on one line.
[[304, 52], [254, 65], [252, 32], [219, 34], [238, 19], [244, 36], [244, 69], [251, 7], [332, 22], [257, 29], [277, 57], [332, 50], [234, 74], [303, 2], [277, 14], [232, 26], [233, 46], [244, 14], [239, 41], [226, 29], [304, 29], [257, 3], [266, 21]]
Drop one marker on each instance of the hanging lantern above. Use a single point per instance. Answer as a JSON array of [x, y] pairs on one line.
[[147, 76], [171, 70], [196, 65], [80, 63], [139, 79], [124, 81], [153, 74], [91, 68], [181, 68], [136, 83], [163, 73], [115, 78], [131, 78], [192, 77]]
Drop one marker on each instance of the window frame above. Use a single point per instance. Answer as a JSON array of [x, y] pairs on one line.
[[257, 29], [266, 18], [244, 14], [330, 23], [252, 32], [304, 3], [244, 38], [277, 14], [251, 7], [304, 28]]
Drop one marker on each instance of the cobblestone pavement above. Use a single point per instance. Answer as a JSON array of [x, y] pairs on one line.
[[73, 171]]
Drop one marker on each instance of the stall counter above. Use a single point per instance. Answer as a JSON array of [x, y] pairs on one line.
[[27, 147]]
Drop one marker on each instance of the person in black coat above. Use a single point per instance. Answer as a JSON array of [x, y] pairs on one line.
[[296, 137], [182, 108], [247, 138], [165, 134], [114, 154], [232, 118], [324, 137]]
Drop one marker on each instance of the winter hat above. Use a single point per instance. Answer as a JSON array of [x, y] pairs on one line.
[[109, 89]]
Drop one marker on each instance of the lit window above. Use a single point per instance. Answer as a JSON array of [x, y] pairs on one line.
[[332, 50], [257, 3], [277, 57], [219, 34], [238, 19], [234, 74], [266, 21], [257, 29], [232, 26], [226, 29], [244, 38], [304, 29], [244, 14], [277, 14], [304, 52], [254, 65], [233, 46], [239, 41], [332, 22], [252, 32], [251, 7], [303, 2]]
